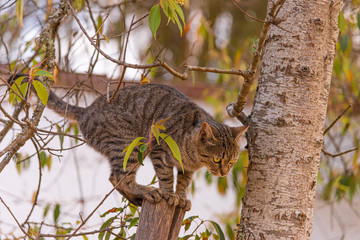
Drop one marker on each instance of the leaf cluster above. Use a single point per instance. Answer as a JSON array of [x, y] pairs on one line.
[[146, 147]]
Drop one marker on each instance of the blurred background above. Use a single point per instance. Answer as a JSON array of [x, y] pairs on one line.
[[74, 178]]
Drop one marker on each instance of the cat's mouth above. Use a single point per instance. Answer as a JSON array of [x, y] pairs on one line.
[[217, 173]]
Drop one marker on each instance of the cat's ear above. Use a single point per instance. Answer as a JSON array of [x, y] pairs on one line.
[[237, 132], [206, 132]]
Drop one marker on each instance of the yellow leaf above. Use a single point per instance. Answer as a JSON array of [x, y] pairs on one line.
[[106, 38], [33, 197], [19, 8], [144, 80]]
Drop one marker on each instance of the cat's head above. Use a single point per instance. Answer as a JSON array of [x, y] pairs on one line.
[[218, 147]]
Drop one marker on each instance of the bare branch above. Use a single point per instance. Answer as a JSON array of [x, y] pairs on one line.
[[234, 109], [338, 154], [39, 183], [124, 57], [17, 222], [157, 63], [244, 12], [101, 202], [46, 37], [81, 234], [333, 123]]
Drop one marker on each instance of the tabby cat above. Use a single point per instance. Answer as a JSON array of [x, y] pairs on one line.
[[109, 128]]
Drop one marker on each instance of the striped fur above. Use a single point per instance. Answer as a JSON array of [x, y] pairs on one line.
[[109, 128]]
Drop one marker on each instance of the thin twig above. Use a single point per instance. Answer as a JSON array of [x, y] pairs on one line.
[[15, 218], [78, 234], [47, 36], [60, 133], [101, 202], [124, 57], [39, 182], [234, 109], [157, 63], [333, 123], [338, 154], [244, 12]]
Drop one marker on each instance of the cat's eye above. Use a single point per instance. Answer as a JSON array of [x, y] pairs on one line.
[[232, 161], [217, 160]]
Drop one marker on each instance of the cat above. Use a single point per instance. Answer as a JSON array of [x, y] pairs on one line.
[[109, 128]]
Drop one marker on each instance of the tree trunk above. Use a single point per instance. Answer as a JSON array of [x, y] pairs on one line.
[[159, 221], [287, 121]]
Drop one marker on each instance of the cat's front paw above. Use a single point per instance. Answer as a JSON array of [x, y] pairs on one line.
[[153, 195], [185, 203], [171, 198]]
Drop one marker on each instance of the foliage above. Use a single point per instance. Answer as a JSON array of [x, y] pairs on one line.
[[145, 148], [173, 12], [19, 89], [209, 38]]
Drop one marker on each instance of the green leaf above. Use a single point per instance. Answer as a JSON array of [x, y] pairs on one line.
[[130, 148], [208, 177], [218, 230], [78, 4], [133, 222], [344, 42], [133, 208], [76, 132], [155, 131], [23, 89], [85, 237], [107, 235], [48, 162], [162, 121], [61, 137], [19, 8], [106, 224], [358, 20], [56, 212], [173, 147], [43, 158], [43, 73], [141, 153], [178, 9], [341, 21], [99, 23], [46, 210], [154, 19], [222, 185], [18, 88], [178, 23], [41, 91]]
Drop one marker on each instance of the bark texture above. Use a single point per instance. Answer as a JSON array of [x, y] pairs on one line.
[[287, 121], [159, 221]]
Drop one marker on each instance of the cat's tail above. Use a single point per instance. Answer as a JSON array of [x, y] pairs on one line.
[[63, 108], [57, 104]]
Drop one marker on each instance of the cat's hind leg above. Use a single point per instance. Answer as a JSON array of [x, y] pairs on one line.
[[125, 183]]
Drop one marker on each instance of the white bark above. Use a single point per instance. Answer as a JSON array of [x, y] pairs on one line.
[[287, 121]]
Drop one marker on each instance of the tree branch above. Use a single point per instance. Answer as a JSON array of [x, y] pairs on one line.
[[46, 37], [17, 222], [234, 109], [156, 63], [100, 203], [333, 123]]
